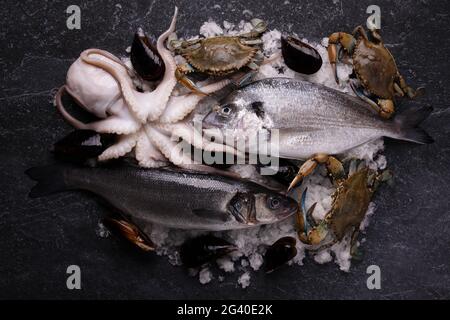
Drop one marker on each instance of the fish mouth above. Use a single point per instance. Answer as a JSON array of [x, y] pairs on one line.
[[291, 208], [214, 119], [209, 121]]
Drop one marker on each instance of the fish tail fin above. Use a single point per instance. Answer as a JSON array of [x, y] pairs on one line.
[[50, 180], [407, 125]]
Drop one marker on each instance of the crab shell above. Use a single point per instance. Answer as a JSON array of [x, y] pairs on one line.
[[220, 55], [350, 204], [375, 67]]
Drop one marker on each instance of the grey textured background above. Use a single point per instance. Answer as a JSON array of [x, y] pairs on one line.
[[408, 238]]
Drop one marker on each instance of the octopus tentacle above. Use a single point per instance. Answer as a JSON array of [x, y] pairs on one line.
[[150, 106], [144, 105], [118, 124], [66, 115], [168, 147], [114, 125], [174, 152], [86, 53], [180, 106], [124, 81], [146, 154], [125, 144], [188, 133]]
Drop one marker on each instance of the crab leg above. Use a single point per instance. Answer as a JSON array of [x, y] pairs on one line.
[[353, 247], [324, 246], [407, 89], [345, 40], [359, 30], [334, 167], [398, 90], [180, 45], [180, 75], [308, 221], [274, 57], [363, 97], [384, 107], [259, 27]]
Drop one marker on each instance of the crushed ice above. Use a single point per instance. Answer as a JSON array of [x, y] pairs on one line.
[[252, 243]]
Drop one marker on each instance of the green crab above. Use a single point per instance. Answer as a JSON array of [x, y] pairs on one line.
[[374, 67], [350, 203], [221, 55]]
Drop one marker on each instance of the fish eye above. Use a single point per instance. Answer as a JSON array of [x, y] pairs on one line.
[[226, 110], [274, 203]]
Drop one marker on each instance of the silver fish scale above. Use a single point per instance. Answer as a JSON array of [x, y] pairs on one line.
[[165, 197], [314, 119]]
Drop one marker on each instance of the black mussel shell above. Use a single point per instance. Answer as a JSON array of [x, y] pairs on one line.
[[280, 253], [82, 145], [299, 56], [198, 251], [285, 172], [130, 232], [145, 57]]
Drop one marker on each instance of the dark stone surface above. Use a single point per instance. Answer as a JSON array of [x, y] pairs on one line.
[[409, 236]]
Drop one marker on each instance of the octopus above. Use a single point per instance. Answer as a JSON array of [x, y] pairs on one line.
[[150, 122]]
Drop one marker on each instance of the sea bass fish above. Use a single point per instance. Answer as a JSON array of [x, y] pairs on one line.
[[170, 197], [310, 119]]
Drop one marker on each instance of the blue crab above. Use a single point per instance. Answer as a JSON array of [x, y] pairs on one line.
[[350, 204]]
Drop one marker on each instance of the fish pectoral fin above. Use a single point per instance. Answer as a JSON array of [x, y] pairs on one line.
[[211, 215]]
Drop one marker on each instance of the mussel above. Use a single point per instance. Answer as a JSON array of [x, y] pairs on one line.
[[81, 146], [280, 253], [299, 56], [130, 232], [198, 251], [284, 173], [145, 58]]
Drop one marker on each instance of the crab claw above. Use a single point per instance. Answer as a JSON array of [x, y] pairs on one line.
[[186, 82], [305, 222], [385, 176], [259, 26], [347, 41], [307, 214], [356, 253], [332, 57], [415, 93], [306, 169], [386, 108], [240, 78], [303, 206]]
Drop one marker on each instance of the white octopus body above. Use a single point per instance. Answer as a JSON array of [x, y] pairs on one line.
[[98, 92]]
